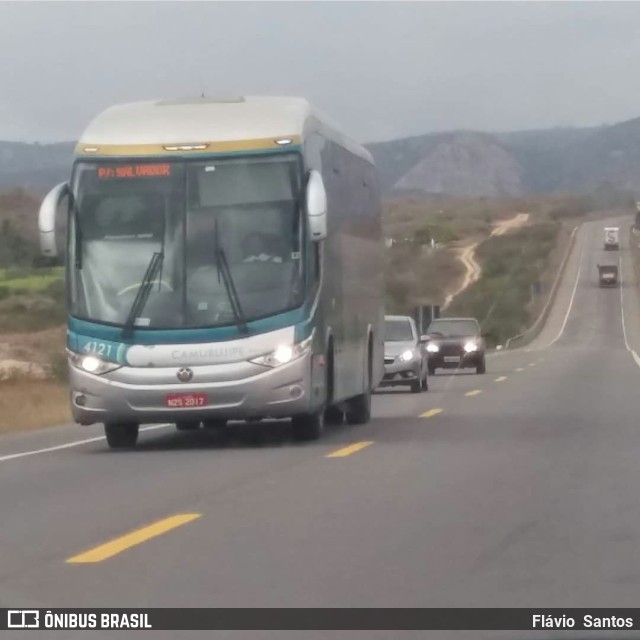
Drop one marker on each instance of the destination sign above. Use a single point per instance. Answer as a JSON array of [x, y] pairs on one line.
[[134, 171]]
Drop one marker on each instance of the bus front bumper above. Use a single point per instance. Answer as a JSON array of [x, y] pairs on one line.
[[147, 395]]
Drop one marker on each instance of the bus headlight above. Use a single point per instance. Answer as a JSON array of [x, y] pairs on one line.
[[406, 356], [433, 348], [91, 363], [284, 353], [470, 347]]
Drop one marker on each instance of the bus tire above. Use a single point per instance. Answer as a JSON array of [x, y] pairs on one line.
[[308, 426], [359, 408], [333, 415], [121, 435]]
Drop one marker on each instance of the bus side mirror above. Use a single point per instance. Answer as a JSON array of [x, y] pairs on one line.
[[47, 219], [316, 206]]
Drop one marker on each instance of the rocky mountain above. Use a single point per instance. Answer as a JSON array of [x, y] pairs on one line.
[[465, 164], [517, 163], [458, 163]]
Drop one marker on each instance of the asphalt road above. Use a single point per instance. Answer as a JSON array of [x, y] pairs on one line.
[[524, 493]]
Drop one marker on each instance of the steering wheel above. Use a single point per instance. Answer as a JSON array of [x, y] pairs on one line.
[[163, 283]]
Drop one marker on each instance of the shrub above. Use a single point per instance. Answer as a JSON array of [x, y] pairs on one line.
[[59, 367]]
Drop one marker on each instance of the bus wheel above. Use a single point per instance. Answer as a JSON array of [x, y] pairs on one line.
[[187, 426], [121, 435], [308, 426], [333, 415], [359, 408]]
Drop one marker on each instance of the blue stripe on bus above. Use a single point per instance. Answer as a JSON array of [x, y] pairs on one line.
[[107, 333]]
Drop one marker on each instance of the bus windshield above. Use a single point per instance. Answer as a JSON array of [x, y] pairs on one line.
[[189, 212]]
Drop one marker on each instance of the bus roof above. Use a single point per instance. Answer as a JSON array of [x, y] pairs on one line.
[[243, 123]]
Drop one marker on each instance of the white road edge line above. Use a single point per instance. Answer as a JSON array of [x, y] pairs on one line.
[[573, 295], [69, 445], [624, 325]]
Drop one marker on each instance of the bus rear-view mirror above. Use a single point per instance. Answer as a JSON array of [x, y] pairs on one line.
[[47, 219], [316, 200]]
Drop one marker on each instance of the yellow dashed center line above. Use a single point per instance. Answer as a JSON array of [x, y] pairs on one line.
[[520, 369], [347, 451], [118, 545], [430, 413], [501, 379], [532, 364], [475, 392]]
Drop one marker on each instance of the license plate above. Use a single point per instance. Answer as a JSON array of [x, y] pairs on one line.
[[185, 400], [452, 358]]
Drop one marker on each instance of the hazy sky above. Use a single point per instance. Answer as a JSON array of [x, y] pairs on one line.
[[381, 70]]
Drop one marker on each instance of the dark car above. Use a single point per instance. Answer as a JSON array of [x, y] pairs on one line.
[[455, 343]]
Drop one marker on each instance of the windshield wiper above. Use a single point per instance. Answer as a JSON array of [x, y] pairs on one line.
[[223, 269], [155, 264]]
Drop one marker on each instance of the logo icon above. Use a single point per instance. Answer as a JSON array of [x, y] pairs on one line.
[[184, 374], [23, 619]]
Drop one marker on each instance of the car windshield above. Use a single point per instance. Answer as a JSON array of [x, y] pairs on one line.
[[453, 328], [188, 212], [398, 331]]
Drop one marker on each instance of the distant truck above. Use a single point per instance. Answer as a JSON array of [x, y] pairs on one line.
[[612, 238], [608, 275]]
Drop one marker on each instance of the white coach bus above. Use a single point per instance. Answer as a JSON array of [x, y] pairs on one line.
[[224, 262]]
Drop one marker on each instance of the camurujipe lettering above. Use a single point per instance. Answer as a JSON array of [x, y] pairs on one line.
[[211, 352]]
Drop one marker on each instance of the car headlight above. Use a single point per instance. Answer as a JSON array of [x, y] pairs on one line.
[[91, 363], [433, 348], [406, 356], [284, 353], [470, 346]]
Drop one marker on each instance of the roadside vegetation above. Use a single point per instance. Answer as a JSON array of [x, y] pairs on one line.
[[32, 318], [518, 268], [513, 268]]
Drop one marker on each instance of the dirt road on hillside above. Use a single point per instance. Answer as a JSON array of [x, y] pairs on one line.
[[467, 255]]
